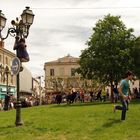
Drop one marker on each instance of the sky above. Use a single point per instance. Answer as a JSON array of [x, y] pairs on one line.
[[62, 27]]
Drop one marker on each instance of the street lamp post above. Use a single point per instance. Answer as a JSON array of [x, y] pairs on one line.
[[5, 71], [20, 30], [7, 97], [40, 92]]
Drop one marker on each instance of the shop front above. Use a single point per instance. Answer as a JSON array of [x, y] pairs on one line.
[[3, 91]]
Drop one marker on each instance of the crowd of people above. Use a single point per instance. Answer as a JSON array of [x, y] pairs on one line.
[[79, 96], [7, 103], [100, 94], [10, 102]]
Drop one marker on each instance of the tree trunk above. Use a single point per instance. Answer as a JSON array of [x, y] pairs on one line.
[[112, 94]]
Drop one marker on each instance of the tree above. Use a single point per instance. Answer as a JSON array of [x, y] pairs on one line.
[[135, 53], [136, 59], [108, 54]]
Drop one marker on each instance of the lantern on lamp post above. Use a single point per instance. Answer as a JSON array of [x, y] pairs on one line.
[[2, 21], [19, 30]]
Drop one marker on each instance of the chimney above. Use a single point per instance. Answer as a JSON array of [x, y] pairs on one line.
[[1, 44]]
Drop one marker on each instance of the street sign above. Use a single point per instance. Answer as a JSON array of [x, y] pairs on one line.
[[15, 66]]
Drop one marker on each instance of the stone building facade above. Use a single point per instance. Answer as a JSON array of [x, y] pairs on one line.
[[25, 76], [60, 74], [7, 80]]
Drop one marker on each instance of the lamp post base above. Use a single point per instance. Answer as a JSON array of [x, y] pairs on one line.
[[18, 121]]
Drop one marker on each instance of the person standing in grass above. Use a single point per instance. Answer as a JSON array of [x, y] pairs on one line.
[[103, 94], [124, 91]]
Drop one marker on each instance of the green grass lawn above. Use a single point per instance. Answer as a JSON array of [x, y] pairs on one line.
[[86, 121]]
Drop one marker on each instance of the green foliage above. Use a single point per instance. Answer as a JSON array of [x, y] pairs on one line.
[[86, 121], [108, 54], [136, 57]]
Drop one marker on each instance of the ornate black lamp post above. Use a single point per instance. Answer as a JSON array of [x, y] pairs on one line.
[[40, 92], [20, 30], [7, 97], [5, 71]]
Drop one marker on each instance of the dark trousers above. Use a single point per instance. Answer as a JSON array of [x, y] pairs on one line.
[[124, 108], [6, 102]]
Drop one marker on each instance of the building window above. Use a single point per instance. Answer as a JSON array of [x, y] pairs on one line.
[[72, 72], [51, 72], [61, 72], [6, 59]]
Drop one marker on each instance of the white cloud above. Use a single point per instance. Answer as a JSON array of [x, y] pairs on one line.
[[62, 27]]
